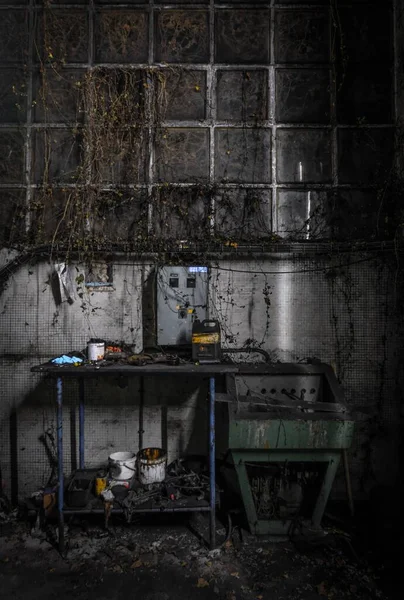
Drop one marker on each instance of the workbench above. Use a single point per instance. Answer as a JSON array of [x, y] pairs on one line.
[[88, 371]]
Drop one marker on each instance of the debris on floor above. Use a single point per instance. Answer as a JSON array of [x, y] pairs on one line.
[[166, 560]]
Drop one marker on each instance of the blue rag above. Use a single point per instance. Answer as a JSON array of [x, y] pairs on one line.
[[66, 360]]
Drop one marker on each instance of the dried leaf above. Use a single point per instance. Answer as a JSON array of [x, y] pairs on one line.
[[321, 589], [235, 574], [202, 583], [138, 563]]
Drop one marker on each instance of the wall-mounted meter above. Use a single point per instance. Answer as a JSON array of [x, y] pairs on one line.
[[182, 297]]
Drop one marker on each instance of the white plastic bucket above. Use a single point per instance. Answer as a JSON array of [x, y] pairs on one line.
[[95, 351], [152, 464], [122, 465]]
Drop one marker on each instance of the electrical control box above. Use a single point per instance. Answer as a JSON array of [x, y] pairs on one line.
[[182, 297]]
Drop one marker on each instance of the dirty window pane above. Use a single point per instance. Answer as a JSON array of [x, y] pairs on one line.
[[146, 2], [243, 155], [11, 156], [13, 35], [242, 36], [115, 97], [182, 2], [57, 95], [302, 214], [182, 36], [120, 217], [183, 155], [181, 214], [182, 94], [243, 214], [56, 155], [364, 35], [305, 1], [12, 214], [365, 94], [62, 36], [56, 2], [13, 95], [121, 37], [123, 160], [302, 96], [354, 214], [364, 155], [303, 155], [51, 209], [241, 95], [301, 36], [241, 2]]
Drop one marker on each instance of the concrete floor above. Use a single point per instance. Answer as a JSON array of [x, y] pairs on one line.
[[161, 561]]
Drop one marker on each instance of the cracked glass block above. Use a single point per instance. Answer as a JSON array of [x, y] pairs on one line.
[[56, 155], [302, 96], [242, 95], [182, 36], [182, 94], [62, 36], [12, 216], [120, 217], [243, 155], [302, 36], [364, 35], [303, 155], [121, 37], [12, 156], [365, 155], [302, 214], [57, 95], [243, 215], [242, 36], [13, 95], [182, 155], [365, 94], [13, 35], [181, 213]]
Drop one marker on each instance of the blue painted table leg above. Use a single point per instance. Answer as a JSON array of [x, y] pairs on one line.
[[81, 423], [212, 464], [59, 398]]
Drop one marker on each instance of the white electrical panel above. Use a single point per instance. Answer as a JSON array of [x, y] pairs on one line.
[[182, 297]]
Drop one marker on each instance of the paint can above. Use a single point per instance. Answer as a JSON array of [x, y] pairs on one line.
[[206, 341], [152, 464], [122, 465], [100, 483], [95, 350]]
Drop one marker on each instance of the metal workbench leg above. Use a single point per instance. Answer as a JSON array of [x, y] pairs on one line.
[[81, 423], [325, 489], [212, 464], [59, 399]]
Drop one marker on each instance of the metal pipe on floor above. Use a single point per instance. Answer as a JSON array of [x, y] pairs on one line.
[[81, 423], [212, 464], [160, 510], [59, 417]]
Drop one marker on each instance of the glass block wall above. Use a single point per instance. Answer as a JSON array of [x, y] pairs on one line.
[[242, 120]]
